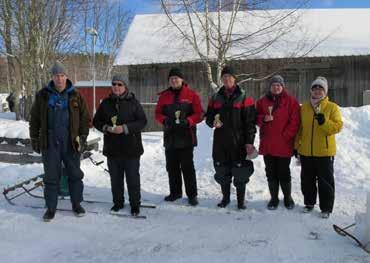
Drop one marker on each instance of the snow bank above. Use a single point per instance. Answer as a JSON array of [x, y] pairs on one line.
[[178, 233]]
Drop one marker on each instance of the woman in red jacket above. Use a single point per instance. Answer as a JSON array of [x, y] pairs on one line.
[[278, 120]]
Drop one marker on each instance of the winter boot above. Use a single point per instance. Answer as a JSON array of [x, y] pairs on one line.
[[240, 194], [307, 208], [225, 196], [171, 197], [287, 190], [116, 208], [49, 215], [135, 210], [78, 210], [325, 214], [274, 192], [193, 201]]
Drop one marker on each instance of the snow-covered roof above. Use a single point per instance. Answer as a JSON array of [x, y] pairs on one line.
[[151, 38], [89, 84]]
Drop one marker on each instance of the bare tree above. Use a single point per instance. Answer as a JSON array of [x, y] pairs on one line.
[[248, 29], [34, 33], [111, 22]]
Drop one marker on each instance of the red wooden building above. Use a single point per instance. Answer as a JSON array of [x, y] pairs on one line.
[[102, 90]]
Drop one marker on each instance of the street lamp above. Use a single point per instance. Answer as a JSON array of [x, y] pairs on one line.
[[92, 31]]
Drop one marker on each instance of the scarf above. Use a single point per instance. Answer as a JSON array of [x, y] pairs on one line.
[[315, 103]]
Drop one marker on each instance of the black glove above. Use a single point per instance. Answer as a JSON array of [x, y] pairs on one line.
[[168, 123], [295, 152], [83, 143], [320, 118], [183, 123], [35, 145]]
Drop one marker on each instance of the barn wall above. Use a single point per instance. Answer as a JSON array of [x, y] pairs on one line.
[[348, 77]]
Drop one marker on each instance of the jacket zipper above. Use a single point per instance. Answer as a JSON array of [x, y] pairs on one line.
[[313, 125]]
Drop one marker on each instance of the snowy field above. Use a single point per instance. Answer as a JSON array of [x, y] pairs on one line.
[[179, 233]]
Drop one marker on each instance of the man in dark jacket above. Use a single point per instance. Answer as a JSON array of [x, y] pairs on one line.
[[233, 116], [59, 127], [179, 110], [121, 118]]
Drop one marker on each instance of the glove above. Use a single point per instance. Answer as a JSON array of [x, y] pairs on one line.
[[295, 152], [184, 123], [320, 118], [82, 143], [168, 123], [35, 144]]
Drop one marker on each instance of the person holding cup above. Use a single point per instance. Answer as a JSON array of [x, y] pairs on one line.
[[232, 114], [278, 120]]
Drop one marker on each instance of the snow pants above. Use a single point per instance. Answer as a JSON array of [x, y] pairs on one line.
[[52, 159], [320, 170], [119, 168], [277, 168], [177, 161], [240, 171]]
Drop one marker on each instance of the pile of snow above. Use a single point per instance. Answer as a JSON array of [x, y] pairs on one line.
[[20, 129], [3, 102], [179, 233]]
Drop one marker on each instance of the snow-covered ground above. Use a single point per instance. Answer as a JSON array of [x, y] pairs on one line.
[[179, 233]]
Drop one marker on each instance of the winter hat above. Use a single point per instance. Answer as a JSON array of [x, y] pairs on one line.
[[58, 68], [120, 77], [277, 79], [175, 72], [322, 82], [228, 70]]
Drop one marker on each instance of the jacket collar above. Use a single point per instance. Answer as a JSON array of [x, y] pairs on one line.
[[184, 87]]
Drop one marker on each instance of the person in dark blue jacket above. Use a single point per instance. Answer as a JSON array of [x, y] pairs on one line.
[[59, 127]]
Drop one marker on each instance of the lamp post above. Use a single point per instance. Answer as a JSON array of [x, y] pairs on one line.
[[92, 31]]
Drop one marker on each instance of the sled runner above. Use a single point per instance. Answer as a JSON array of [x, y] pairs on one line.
[[343, 232], [361, 234]]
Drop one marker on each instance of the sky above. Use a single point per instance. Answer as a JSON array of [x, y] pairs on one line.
[[153, 6]]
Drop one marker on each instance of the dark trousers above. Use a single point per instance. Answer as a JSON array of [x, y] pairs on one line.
[[318, 169], [118, 169], [277, 169], [177, 161], [52, 159], [239, 172]]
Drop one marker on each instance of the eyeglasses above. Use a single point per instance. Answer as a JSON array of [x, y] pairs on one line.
[[117, 84], [317, 87]]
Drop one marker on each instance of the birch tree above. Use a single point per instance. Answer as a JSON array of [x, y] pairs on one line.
[[220, 31], [34, 33], [111, 22]]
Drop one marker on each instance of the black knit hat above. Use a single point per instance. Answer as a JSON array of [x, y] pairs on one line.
[[175, 72], [228, 70], [277, 79]]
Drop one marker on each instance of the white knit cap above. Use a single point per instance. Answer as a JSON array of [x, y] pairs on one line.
[[322, 82]]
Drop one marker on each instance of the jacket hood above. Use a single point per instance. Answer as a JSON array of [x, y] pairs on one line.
[[51, 86]]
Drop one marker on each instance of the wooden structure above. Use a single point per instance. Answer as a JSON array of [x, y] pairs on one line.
[[348, 77], [102, 90]]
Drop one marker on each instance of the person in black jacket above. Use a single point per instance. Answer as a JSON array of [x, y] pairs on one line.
[[233, 116], [179, 110], [121, 118]]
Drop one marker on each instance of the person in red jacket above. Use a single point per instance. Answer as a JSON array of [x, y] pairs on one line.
[[278, 119], [179, 110]]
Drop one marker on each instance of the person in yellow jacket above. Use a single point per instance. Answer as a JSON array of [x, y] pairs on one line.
[[315, 144]]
